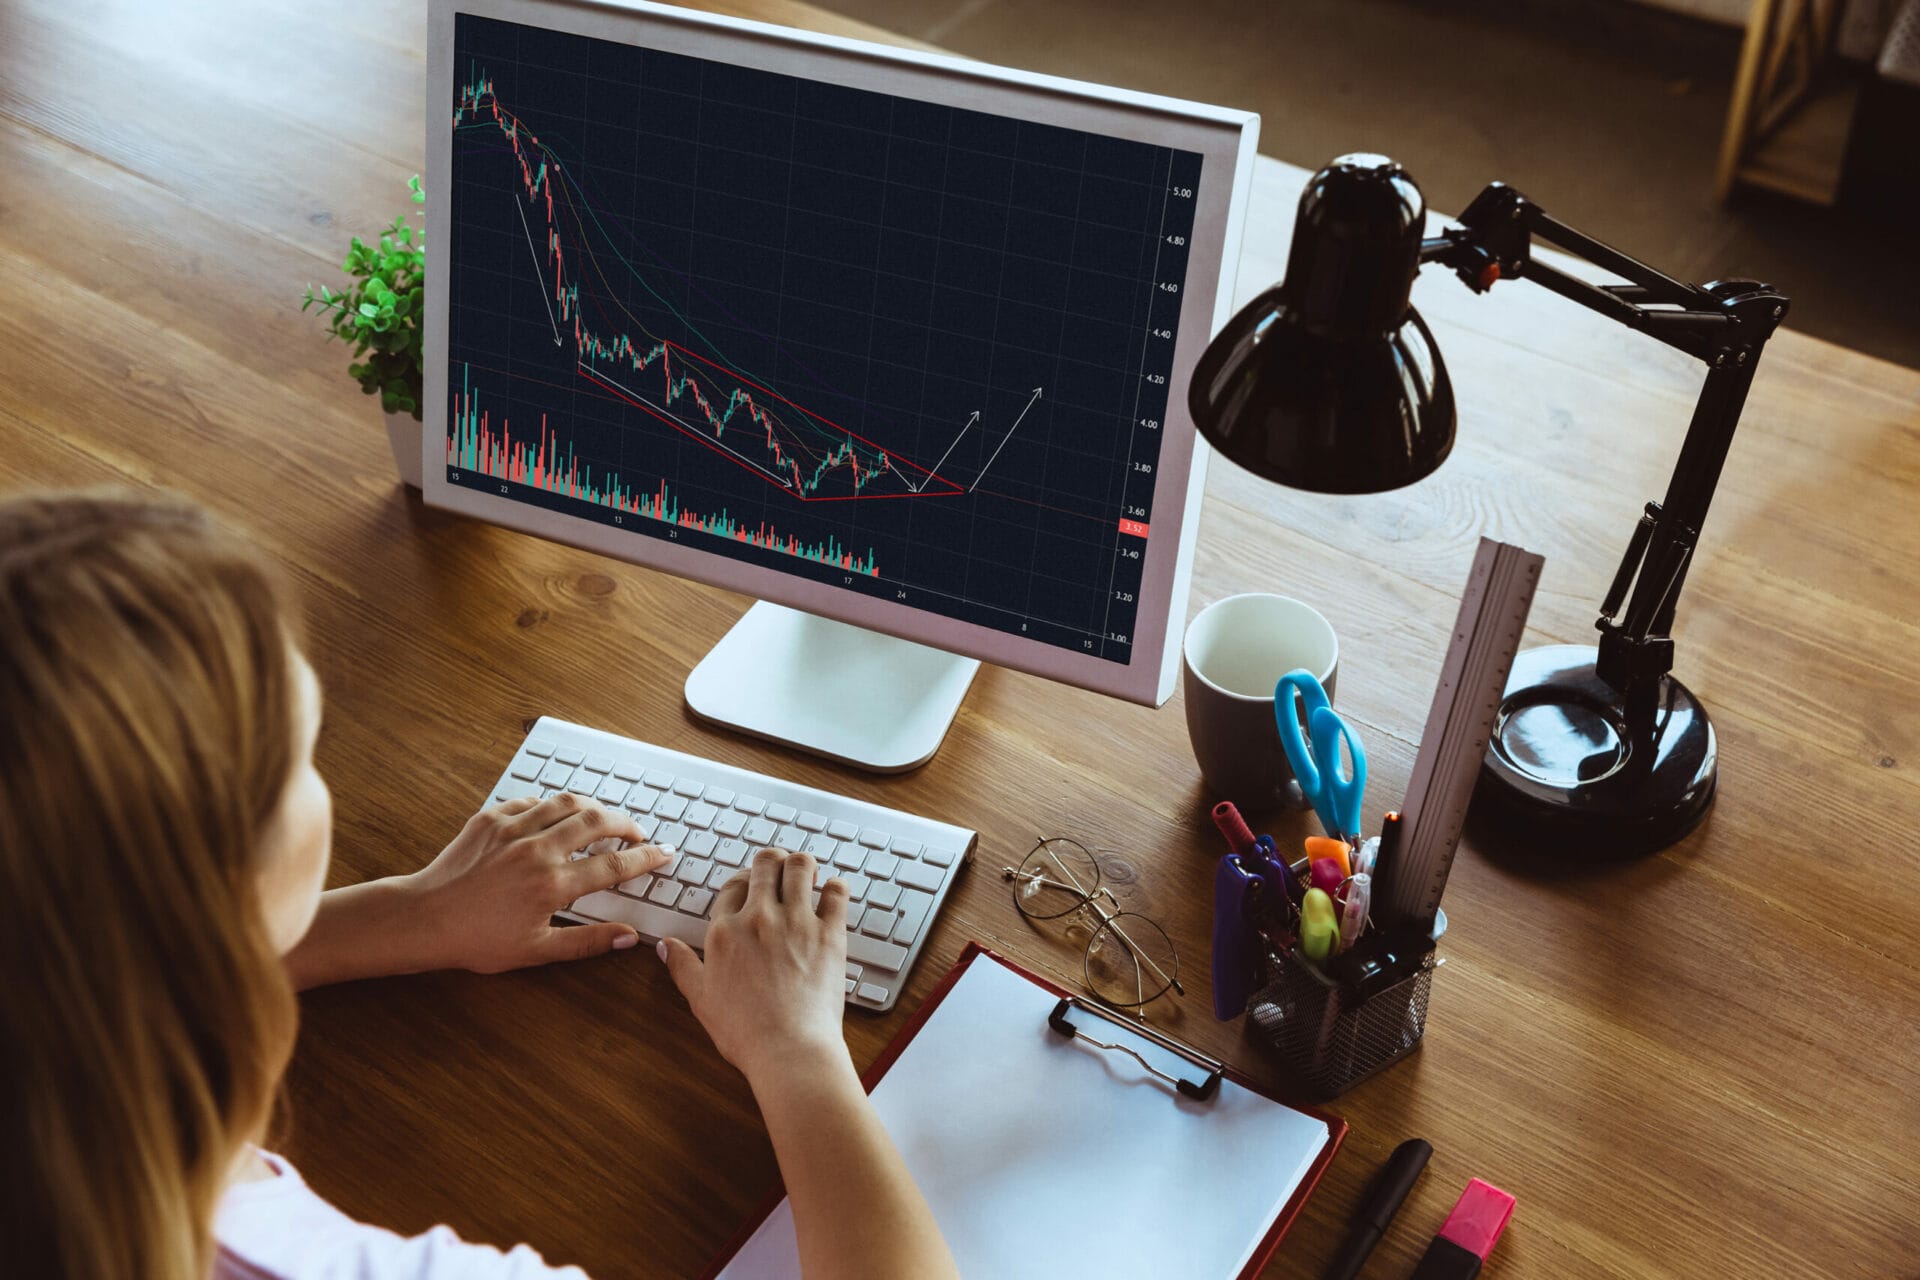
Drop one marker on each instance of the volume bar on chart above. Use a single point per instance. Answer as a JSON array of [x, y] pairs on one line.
[[474, 445]]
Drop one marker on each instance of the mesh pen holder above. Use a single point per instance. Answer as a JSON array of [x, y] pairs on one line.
[[1329, 1037]]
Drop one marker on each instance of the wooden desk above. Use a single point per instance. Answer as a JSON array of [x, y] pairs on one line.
[[1680, 1065]]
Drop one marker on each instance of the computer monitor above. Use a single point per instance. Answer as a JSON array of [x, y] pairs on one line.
[[891, 341]]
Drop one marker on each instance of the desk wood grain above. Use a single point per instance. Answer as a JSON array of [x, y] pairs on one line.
[[1681, 1066]]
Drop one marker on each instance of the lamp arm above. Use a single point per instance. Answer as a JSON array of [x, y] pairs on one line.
[[1724, 324]]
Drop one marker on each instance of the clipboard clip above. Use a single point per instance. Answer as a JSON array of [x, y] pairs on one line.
[[1201, 1092]]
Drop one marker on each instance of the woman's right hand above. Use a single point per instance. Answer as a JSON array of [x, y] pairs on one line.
[[772, 988]]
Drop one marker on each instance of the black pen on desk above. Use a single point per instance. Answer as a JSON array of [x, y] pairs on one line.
[[1375, 1211]]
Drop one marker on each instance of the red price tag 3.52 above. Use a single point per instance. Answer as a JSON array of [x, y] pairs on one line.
[[1138, 528]]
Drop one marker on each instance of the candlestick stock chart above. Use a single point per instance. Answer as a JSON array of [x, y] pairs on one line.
[[900, 348]]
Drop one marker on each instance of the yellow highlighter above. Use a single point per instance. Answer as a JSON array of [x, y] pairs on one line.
[[1319, 926]]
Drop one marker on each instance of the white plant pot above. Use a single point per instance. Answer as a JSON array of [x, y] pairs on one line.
[[403, 433]]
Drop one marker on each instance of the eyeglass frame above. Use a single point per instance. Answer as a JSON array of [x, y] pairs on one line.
[[1089, 901]]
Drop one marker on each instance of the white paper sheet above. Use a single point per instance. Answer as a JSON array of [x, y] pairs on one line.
[[1045, 1157]]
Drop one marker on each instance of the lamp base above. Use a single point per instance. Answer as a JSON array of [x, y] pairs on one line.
[[1575, 772]]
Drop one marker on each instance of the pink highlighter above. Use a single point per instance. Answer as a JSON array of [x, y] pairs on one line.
[[1468, 1235]]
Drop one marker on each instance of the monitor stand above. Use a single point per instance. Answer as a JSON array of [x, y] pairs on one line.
[[834, 689]]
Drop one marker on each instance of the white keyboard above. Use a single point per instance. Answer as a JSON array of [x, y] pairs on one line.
[[897, 865]]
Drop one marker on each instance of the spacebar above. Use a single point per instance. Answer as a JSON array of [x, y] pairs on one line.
[[651, 919], [655, 921]]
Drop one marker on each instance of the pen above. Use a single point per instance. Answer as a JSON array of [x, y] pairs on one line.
[[1385, 858], [1382, 1200]]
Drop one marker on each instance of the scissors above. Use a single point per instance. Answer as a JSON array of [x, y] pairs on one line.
[[1316, 757]]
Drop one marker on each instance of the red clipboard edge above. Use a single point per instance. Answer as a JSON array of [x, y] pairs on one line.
[[1262, 1253]]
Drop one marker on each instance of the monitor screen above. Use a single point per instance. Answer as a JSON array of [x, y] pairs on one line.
[[892, 346]]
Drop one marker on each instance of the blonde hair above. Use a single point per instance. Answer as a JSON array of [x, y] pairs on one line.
[[146, 736]]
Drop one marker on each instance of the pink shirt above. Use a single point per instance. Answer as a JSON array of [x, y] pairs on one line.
[[280, 1229]]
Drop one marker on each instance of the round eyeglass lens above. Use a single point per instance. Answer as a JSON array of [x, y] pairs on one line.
[[1057, 878], [1130, 961]]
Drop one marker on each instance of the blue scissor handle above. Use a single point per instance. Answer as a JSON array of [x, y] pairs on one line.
[[1317, 766]]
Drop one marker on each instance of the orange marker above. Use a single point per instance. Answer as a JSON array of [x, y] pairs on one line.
[[1327, 847]]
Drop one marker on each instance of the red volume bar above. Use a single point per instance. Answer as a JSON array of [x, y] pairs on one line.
[[1469, 1234]]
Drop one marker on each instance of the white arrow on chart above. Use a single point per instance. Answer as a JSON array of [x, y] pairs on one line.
[[537, 269], [943, 457], [1003, 440]]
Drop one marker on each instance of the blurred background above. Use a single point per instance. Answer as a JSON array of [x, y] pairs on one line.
[[1611, 115]]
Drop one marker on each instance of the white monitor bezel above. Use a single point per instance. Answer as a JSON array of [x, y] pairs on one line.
[[1226, 140]]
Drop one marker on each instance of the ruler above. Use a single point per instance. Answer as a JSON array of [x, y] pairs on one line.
[[1473, 679]]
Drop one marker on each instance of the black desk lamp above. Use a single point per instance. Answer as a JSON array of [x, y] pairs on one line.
[[1330, 381]]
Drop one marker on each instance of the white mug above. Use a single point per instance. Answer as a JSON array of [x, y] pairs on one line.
[[1236, 650]]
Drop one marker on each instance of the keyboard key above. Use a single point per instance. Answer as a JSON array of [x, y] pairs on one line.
[[527, 768], [665, 893], [627, 771], [671, 808], [637, 887], [878, 922], [789, 837], [938, 857], [822, 874], [665, 869], [720, 874], [730, 824], [821, 846], [640, 799], [731, 852], [782, 812], [760, 831], [659, 779], [570, 755], [584, 783], [718, 796], [883, 895], [856, 890], [700, 816], [873, 839], [853, 922], [700, 843], [644, 916], [854, 971], [688, 787], [849, 857], [867, 991], [515, 789], [612, 791], [600, 764], [555, 775], [810, 821], [841, 829], [539, 747], [752, 806], [671, 833], [913, 914], [850, 986], [907, 848], [696, 901], [881, 866], [874, 953], [918, 875], [692, 870]]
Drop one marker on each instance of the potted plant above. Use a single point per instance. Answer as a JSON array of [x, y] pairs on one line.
[[380, 315]]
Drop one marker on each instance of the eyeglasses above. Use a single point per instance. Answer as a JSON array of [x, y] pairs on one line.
[[1130, 961]]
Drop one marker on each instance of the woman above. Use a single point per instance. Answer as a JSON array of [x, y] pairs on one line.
[[163, 842]]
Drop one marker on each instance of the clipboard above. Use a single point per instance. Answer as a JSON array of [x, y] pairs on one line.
[[1144, 1146]]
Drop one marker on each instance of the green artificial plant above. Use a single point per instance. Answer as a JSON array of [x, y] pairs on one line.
[[381, 313]]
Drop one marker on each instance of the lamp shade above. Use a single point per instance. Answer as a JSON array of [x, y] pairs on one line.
[[1330, 381]]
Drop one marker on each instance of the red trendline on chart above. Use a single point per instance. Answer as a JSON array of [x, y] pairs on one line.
[[712, 396], [473, 445]]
